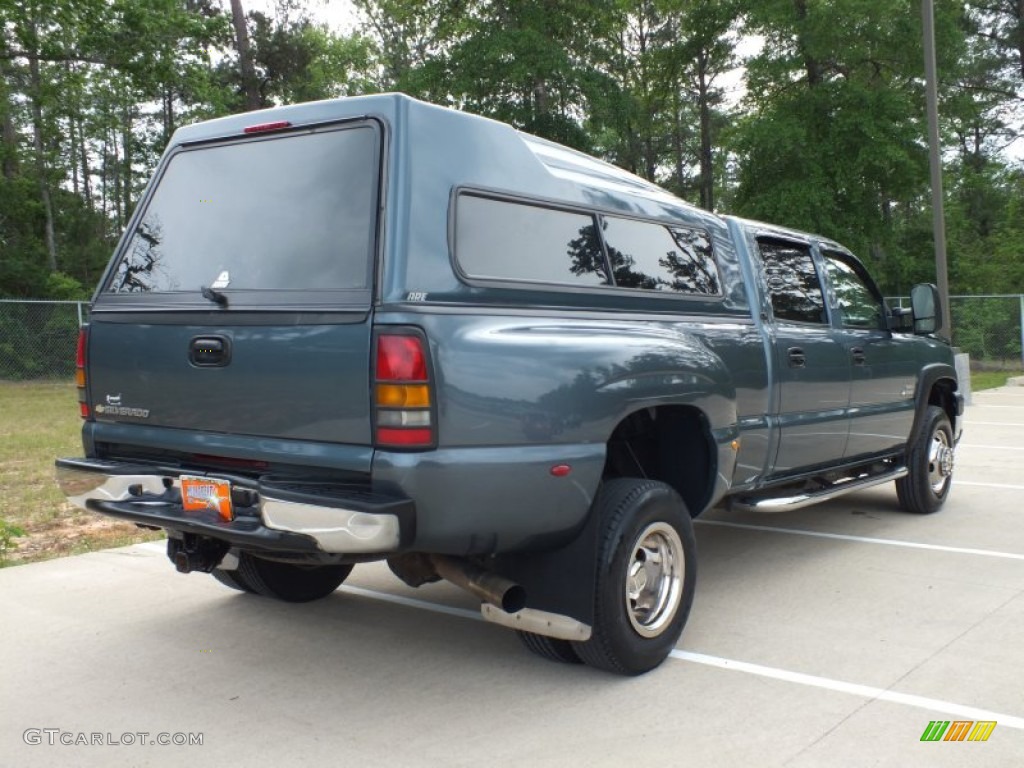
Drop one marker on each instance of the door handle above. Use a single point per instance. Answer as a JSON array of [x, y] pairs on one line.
[[209, 351], [858, 356], [797, 359]]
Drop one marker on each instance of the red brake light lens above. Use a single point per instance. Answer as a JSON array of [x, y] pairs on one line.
[[265, 127], [405, 437], [401, 358], [80, 351]]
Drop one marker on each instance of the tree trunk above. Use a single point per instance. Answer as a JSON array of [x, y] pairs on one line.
[[84, 159], [168, 114], [1020, 35], [707, 170], [10, 144], [126, 151], [8, 133], [677, 142], [37, 145], [811, 65], [249, 84]]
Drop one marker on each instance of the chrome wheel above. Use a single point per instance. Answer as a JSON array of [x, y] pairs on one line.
[[654, 579], [940, 461]]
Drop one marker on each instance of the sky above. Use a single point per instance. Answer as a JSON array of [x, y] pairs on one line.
[[339, 15]]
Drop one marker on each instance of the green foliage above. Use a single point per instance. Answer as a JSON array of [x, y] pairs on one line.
[[8, 533], [301, 61], [988, 329], [37, 340], [829, 138]]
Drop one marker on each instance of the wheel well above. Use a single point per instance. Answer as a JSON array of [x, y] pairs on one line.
[[942, 395], [670, 443]]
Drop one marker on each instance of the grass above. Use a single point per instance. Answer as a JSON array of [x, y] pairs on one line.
[[991, 379], [39, 422]]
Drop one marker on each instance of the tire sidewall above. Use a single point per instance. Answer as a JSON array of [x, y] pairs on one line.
[[937, 421], [655, 503]]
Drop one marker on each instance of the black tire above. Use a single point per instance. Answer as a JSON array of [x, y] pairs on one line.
[[232, 579], [550, 648], [642, 521], [289, 582], [929, 463]]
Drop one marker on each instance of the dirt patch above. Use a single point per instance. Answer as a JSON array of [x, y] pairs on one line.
[[73, 531]]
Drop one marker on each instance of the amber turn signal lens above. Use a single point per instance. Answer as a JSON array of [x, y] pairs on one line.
[[403, 395]]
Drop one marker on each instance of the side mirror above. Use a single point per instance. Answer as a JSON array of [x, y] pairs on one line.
[[924, 301]]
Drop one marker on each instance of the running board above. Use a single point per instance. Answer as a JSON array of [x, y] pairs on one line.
[[753, 503]]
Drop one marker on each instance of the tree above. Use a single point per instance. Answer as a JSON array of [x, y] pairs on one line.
[[245, 60], [532, 63], [832, 141]]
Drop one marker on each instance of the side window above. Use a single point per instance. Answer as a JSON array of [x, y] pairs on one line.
[[792, 282], [858, 305], [502, 240], [660, 258]]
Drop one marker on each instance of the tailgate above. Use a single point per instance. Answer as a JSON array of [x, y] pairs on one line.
[[279, 378]]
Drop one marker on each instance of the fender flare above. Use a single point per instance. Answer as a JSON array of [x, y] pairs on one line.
[[929, 377]]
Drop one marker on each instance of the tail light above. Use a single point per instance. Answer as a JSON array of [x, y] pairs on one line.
[[402, 392], [80, 382]]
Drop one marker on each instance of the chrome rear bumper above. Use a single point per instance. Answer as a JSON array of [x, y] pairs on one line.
[[293, 516]]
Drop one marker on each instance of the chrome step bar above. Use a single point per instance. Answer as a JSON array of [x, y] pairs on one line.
[[796, 500]]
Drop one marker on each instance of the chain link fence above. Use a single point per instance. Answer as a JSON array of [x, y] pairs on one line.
[[37, 338], [989, 328]]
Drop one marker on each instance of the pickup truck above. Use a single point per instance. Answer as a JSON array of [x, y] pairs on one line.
[[376, 329]]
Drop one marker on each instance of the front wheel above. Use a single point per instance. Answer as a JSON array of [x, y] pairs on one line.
[[288, 581], [647, 570], [929, 465]]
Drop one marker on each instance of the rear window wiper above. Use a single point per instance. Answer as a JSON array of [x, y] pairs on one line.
[[214, 295]]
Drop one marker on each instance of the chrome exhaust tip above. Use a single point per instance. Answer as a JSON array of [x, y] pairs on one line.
[[489, 587]]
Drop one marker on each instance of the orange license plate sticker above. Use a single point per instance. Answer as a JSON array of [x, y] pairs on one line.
[[199, 494]]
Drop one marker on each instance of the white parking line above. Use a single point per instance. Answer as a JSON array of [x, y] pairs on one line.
[[989, 485], [992, 447], [785, 675], [866, 691], [410, 602], [972, 422], [866, 539]]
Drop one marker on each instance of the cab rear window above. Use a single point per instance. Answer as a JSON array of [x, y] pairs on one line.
[[294, 212]]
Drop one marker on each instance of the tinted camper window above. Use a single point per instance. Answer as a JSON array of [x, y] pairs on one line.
[[660, 258], [503, 240]]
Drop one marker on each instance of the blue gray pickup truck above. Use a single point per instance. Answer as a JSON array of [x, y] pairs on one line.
[[375, 329]]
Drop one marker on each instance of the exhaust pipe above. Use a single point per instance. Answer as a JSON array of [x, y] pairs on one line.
[[489, 587]]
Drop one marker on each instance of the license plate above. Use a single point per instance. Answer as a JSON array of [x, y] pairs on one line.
[[199, 494]]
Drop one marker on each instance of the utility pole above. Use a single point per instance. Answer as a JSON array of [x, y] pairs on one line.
[[938, 211]]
